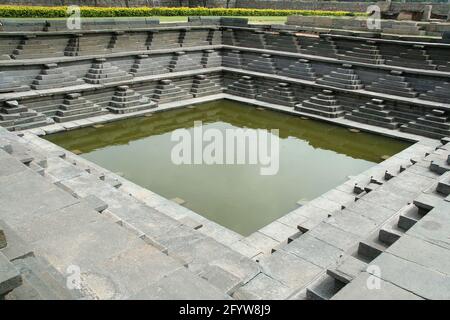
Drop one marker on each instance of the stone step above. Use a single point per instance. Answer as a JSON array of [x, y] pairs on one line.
[[371, 248], [408, 216], [48, 283], [10, 277], [349, 269], [323, 289], [443, 186]]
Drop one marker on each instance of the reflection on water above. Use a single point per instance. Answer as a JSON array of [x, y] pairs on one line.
[[314, 158]]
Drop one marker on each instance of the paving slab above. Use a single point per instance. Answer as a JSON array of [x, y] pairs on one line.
[[263, 287], [422, 252], [314, 250], [291, 270], [180, 285], [358, 290], [413, 277]]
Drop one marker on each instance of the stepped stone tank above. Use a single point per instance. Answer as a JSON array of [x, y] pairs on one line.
[[54, 80]]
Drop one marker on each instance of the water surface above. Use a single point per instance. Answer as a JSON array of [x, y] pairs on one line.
[[314, 158]]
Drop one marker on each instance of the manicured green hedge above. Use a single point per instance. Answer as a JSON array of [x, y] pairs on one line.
[[61, 12]]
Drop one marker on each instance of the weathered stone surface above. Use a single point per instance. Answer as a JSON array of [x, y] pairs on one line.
[[358, 290], [263, 287], [181, 285], [292, 271]]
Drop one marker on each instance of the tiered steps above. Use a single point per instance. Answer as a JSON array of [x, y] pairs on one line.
[[128, 41], [76, 107], [415, 57], [163, 40], [317, 46], [182, 62], [15, 116], [344, 78], [281, 94], [32, 47], [126, 100], [11, 85], [439, 94], [146, 65], [244, 87], [394, 84], [434, 125], [228, 37], [166, 91], [53, 77], [214, 36], [249, 38], [264, 63], [10, 278], [324, 104], [88, 44], [203, 86], [103, 72], [282, 41], [374, 113], [193, 37], [360, 52], [301, 69], [211, 59], [232, 59]]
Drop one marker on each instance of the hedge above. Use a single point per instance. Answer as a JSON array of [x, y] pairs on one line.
[[61, 12]]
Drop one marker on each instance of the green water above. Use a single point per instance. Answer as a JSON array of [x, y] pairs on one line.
[[314, 158]]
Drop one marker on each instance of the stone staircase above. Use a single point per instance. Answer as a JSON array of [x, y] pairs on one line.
[[104, 72], [244, 87], [193, 37], [374, 113], [282, 41], [146, 65], [126, 100], [301, 69], [53, 77], [75, 107], [124, 247], [360, 52], [323, 104], [163, 40], [15, 116], [203, 86], [438, 94], [281, 94], [25, 276], [345, 78], [263, 63], [434, 125], [32, 47], [249, 38], [88, 44], [182, 62], [232, 59], [318, 46], [122, 41], [211, 59], [167, 91], [394, 83]]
